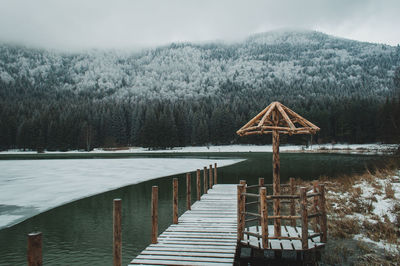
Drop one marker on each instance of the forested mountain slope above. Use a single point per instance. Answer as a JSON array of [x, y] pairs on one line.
[[192, 94]]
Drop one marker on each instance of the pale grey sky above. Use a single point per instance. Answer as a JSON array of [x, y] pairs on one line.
[[75, 24]]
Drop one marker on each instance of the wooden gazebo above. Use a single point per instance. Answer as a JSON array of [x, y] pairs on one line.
[[277, 119]]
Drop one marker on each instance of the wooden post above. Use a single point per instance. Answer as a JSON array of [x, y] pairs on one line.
[[276, 173], [215, 174], [322, 208], [276, 181], [261, 182], [304, 218], [35, 249], [240, 223], [198, 184], [117, 232], [205, 177], [315, 204], [154, 214], [188, 191], [292, 203], [210, 172], [264, 217], [243, 208], [175, 201]]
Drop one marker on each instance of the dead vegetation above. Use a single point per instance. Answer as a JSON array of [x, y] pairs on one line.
[[351, 215]]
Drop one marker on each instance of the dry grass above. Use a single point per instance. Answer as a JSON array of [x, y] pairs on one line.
[[344, 200], [389, 192]]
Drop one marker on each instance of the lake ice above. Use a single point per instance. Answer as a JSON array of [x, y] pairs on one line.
[[28, 187]]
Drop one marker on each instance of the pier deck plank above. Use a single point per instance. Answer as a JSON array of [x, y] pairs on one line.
[[205, 235]]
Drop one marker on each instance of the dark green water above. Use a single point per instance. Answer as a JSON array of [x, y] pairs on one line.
[[80, 233]]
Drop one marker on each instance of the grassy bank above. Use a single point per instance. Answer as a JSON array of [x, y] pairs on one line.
[[363, 217]]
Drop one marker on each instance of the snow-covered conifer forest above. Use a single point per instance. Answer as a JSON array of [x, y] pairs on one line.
[[196, 94]]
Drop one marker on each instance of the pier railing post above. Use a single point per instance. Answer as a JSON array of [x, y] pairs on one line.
[[215, 174], [154, 214], [264, 217], [240, 210], [316, 221], [175, 201], [210, 172], [205, 177], [292, 204], [35, 249], [322, 209], [188, 191], [198, 184], [261, 182], [117, 232], [304, 220]]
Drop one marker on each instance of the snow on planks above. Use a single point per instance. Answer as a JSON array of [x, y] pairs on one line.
[[205, 235]]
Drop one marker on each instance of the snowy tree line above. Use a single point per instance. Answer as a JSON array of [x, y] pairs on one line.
[[189, 94]]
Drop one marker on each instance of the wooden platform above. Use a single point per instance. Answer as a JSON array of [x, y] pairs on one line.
[[205, 235], [281, 244]]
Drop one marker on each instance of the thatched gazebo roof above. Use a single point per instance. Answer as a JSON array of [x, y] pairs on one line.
[[278, 117]]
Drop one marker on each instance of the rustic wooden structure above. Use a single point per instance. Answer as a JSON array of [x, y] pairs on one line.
[[277, 119], [255, 231], [34, 256], [205, 234]]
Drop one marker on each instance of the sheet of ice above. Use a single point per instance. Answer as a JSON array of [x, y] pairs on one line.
[[28, 187]]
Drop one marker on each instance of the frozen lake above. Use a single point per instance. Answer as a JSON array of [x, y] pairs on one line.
[[29, 187]]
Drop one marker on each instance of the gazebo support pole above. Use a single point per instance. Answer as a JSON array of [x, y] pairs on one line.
[[276, 181]]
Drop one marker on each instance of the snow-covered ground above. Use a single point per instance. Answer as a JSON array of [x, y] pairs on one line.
[[373, 202], [28, 187], [342, 148]]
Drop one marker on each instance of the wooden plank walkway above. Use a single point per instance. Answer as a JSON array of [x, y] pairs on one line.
[[205, 235]]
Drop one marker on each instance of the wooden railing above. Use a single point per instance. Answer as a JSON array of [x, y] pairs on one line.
[[34, 253], [306, 216]]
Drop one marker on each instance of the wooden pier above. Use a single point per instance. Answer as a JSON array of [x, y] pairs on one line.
[[206, 234]]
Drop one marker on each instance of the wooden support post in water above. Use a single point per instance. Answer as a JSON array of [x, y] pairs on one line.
[[117, 232], [264, 216], [304, 220], [322, 209], [276, 174], [154, 214], [188, 191], [315, 207], [175, 201], [292, 204], [261, 182], [35, 249], [210, 172], [198, 184], [215, 174], [205, 177]]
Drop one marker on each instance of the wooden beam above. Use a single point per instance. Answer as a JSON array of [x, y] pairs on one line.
[[285, 116], [267, 114]]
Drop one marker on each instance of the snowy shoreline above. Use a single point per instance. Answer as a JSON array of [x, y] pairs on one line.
[[372, 148]]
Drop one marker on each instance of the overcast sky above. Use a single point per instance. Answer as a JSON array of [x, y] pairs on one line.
[[76, 24]]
